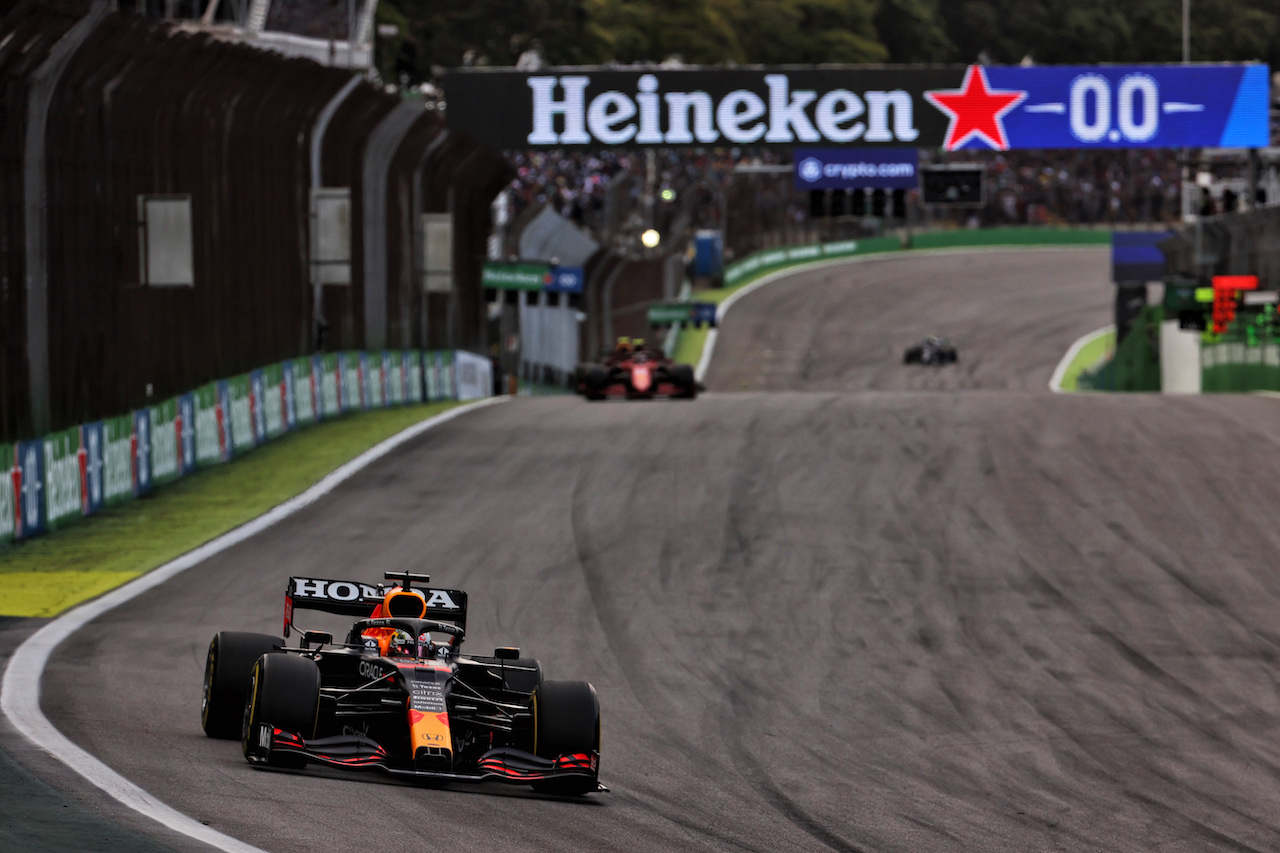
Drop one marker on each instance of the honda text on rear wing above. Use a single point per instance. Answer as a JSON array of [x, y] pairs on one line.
[[358, 600]]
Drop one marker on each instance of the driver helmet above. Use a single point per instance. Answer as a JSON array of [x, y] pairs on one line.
[[405, 646], [402, 645], [625, 345]]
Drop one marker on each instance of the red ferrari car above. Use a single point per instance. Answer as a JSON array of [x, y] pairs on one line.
[[636, 374]]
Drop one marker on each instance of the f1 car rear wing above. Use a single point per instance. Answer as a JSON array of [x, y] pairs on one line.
[[356, 599]]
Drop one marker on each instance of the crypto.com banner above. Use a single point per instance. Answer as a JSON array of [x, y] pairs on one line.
[[978, 107]]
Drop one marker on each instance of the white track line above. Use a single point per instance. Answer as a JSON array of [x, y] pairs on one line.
[[1060, 372], [20, 690], [708, 347]]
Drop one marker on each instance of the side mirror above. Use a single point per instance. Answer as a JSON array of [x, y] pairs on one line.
[[506, 653], [320, 638]]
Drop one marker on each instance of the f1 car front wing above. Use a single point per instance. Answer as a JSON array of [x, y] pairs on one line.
[[356, 752]]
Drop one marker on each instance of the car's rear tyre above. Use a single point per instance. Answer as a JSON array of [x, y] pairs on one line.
[[912, 356], [226, 679], [520, 680], [580, 378], [682, 378], [566, 720], [284, 693], [595, 383]]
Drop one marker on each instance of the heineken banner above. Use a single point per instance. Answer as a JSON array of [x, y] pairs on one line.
[[413, 383], [257, 393], [771, 259], [166, 442], [349, 390], [958, 107], [274, 406], [209, 438], [393, 373], [61, 476], [371, 367], [327, 377], [240, 405], [8, 501], [117, 459], [45, 483]]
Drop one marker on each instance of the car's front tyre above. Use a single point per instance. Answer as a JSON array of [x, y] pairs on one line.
[[566, 721], [284, 694], [226, 679]]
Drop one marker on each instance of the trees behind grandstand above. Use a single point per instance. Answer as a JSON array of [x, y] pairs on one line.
[[437, 34]]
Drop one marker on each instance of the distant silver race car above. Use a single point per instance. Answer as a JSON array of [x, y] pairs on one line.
[[932, 350]]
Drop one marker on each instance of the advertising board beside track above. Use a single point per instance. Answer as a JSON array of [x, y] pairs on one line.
[[981, 107], [47, 482]]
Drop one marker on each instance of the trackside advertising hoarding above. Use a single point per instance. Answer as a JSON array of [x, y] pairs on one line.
[[772, 259], [854, 168], [8, 498], [954, 108], [49, 481]]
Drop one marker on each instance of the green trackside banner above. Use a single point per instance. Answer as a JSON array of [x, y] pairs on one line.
[[273, 399], [166, 448], [209, 425], [62, 495], [352, 386], [439, 368], [305, 405], [371, 365], [241, 419], [8, 506], [514, 276], [393, 368], [772, 259], [431, 370], [117, 459], [413, 359], [330, 386]]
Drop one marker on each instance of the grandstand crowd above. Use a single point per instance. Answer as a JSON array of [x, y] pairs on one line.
[[1022, 188]]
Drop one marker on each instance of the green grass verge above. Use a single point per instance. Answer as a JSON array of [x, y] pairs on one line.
[[691, 340], [49, 574], [1089, 355]]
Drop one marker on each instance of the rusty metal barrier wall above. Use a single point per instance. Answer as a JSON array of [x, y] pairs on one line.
[[143, 108]]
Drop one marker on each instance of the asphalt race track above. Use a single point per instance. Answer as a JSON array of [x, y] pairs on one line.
[[837, 604]]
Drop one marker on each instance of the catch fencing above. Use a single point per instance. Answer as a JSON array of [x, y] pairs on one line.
[[71, 473], [103, 109]]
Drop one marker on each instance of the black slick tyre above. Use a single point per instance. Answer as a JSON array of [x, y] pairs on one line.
[[284, 693], [682, 378], [595, 382], [912, 356], [566, 720], [227, 666]]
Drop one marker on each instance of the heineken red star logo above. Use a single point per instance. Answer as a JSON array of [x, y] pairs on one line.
[[976, 110]]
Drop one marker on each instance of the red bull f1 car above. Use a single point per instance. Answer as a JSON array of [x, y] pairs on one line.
[[636, 373], [397, 694]]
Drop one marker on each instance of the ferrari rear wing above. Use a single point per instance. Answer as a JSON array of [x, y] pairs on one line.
[[357, 599]]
